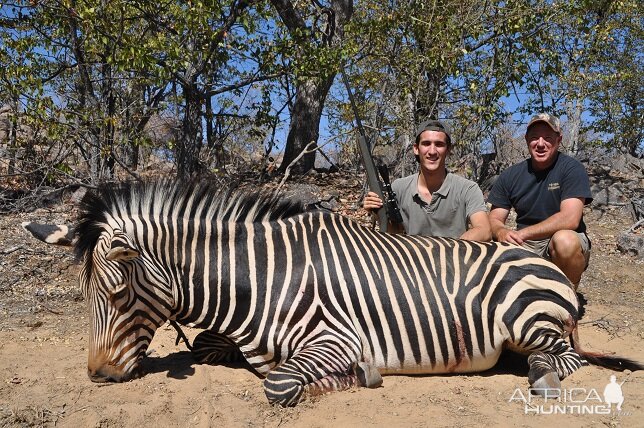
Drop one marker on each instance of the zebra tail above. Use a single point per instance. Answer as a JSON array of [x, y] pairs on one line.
[[603, 360]]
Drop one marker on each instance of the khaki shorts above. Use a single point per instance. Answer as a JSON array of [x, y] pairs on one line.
[[542, 247]]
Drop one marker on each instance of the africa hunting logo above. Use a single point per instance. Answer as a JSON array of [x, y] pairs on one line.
[[580, 401]]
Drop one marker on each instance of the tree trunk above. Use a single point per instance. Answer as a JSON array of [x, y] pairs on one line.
[[305, 124], [573, 111], [131, 148], [632, 126], [220, 154], [310, 94], [133, 156], [108, 124], [427, 102], [210, 134], [408, 138], [13, 136], [189, 144]]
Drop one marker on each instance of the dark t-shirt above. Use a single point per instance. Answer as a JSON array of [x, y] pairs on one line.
[[536, 195]]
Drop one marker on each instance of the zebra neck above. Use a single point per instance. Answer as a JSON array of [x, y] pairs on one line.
[[214, 275]]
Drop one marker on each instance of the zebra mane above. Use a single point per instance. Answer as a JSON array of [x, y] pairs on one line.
[[184, 199]]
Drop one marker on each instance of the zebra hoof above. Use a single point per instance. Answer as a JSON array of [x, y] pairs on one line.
[[547, 386], [368, 375]]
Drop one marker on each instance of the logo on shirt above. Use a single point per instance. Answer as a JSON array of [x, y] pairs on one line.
[[553, 186]]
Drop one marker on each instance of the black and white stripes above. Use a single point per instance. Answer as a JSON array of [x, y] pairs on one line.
[[311, 299]]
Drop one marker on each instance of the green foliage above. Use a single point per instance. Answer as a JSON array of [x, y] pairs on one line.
[[108, 65], [458, 60], [93, 72], [449, 59], [592, 55]]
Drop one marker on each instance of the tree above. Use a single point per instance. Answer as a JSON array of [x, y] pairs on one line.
[[589, 69], [314, 46], [111, 65], [616, 69], [73, 67], [452, 60]]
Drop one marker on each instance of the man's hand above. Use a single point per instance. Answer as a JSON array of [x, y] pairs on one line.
[[372, 202], [498, 217], [510, 236]]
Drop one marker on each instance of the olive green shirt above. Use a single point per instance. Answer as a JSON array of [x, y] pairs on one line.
[[447, 214]]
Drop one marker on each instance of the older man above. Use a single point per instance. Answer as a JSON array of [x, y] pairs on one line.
[[548, 191], [435, 202]]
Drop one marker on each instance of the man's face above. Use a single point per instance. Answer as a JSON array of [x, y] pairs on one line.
[[432, 150], [543, 144]]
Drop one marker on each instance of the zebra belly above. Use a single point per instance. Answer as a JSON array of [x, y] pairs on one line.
[[477, 363]]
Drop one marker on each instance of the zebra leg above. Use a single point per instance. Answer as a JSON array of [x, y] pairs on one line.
[[549, 367], [314, 370], [329, 383], [368, 375], [364, 375], [542, 376], [214, 348]]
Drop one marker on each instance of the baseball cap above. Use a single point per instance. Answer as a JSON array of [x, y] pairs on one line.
[[548, 119], [433, 125]]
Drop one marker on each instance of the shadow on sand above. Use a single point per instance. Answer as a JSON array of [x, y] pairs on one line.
[[181, 365]]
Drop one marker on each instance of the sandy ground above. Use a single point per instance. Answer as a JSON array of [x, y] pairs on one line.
[[43, 352]]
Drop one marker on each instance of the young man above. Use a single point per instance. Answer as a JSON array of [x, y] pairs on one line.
[[435, 202], [548, 191]]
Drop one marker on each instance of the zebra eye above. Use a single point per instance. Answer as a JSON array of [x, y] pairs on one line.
[[119, 291]]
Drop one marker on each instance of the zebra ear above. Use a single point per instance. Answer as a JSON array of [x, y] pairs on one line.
[[121, 249], [51, 233]]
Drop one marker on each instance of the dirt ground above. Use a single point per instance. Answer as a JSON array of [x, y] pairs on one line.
[[43, 353]]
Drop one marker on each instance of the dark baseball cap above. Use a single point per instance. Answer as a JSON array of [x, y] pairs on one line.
[[433, 125]]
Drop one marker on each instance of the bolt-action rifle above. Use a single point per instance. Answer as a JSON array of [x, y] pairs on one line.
[[378, 179]]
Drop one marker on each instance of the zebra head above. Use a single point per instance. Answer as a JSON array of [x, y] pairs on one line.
[[123, 301], [123, 322]]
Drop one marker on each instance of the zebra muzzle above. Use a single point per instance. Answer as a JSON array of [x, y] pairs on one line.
[[109, 373]]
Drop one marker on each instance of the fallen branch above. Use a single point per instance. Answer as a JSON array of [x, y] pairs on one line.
[[635, 226], [287, 172], [307, 149], [12, 250], [592, 321]]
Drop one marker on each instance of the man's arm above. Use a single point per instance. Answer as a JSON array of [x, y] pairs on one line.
[[480, 224], [480, 230], [498, 216], [568, 218]]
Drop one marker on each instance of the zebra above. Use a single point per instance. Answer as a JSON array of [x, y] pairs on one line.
[[213, 348], [311, 300]]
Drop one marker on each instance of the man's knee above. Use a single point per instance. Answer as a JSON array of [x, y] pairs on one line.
[[565, 244]]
